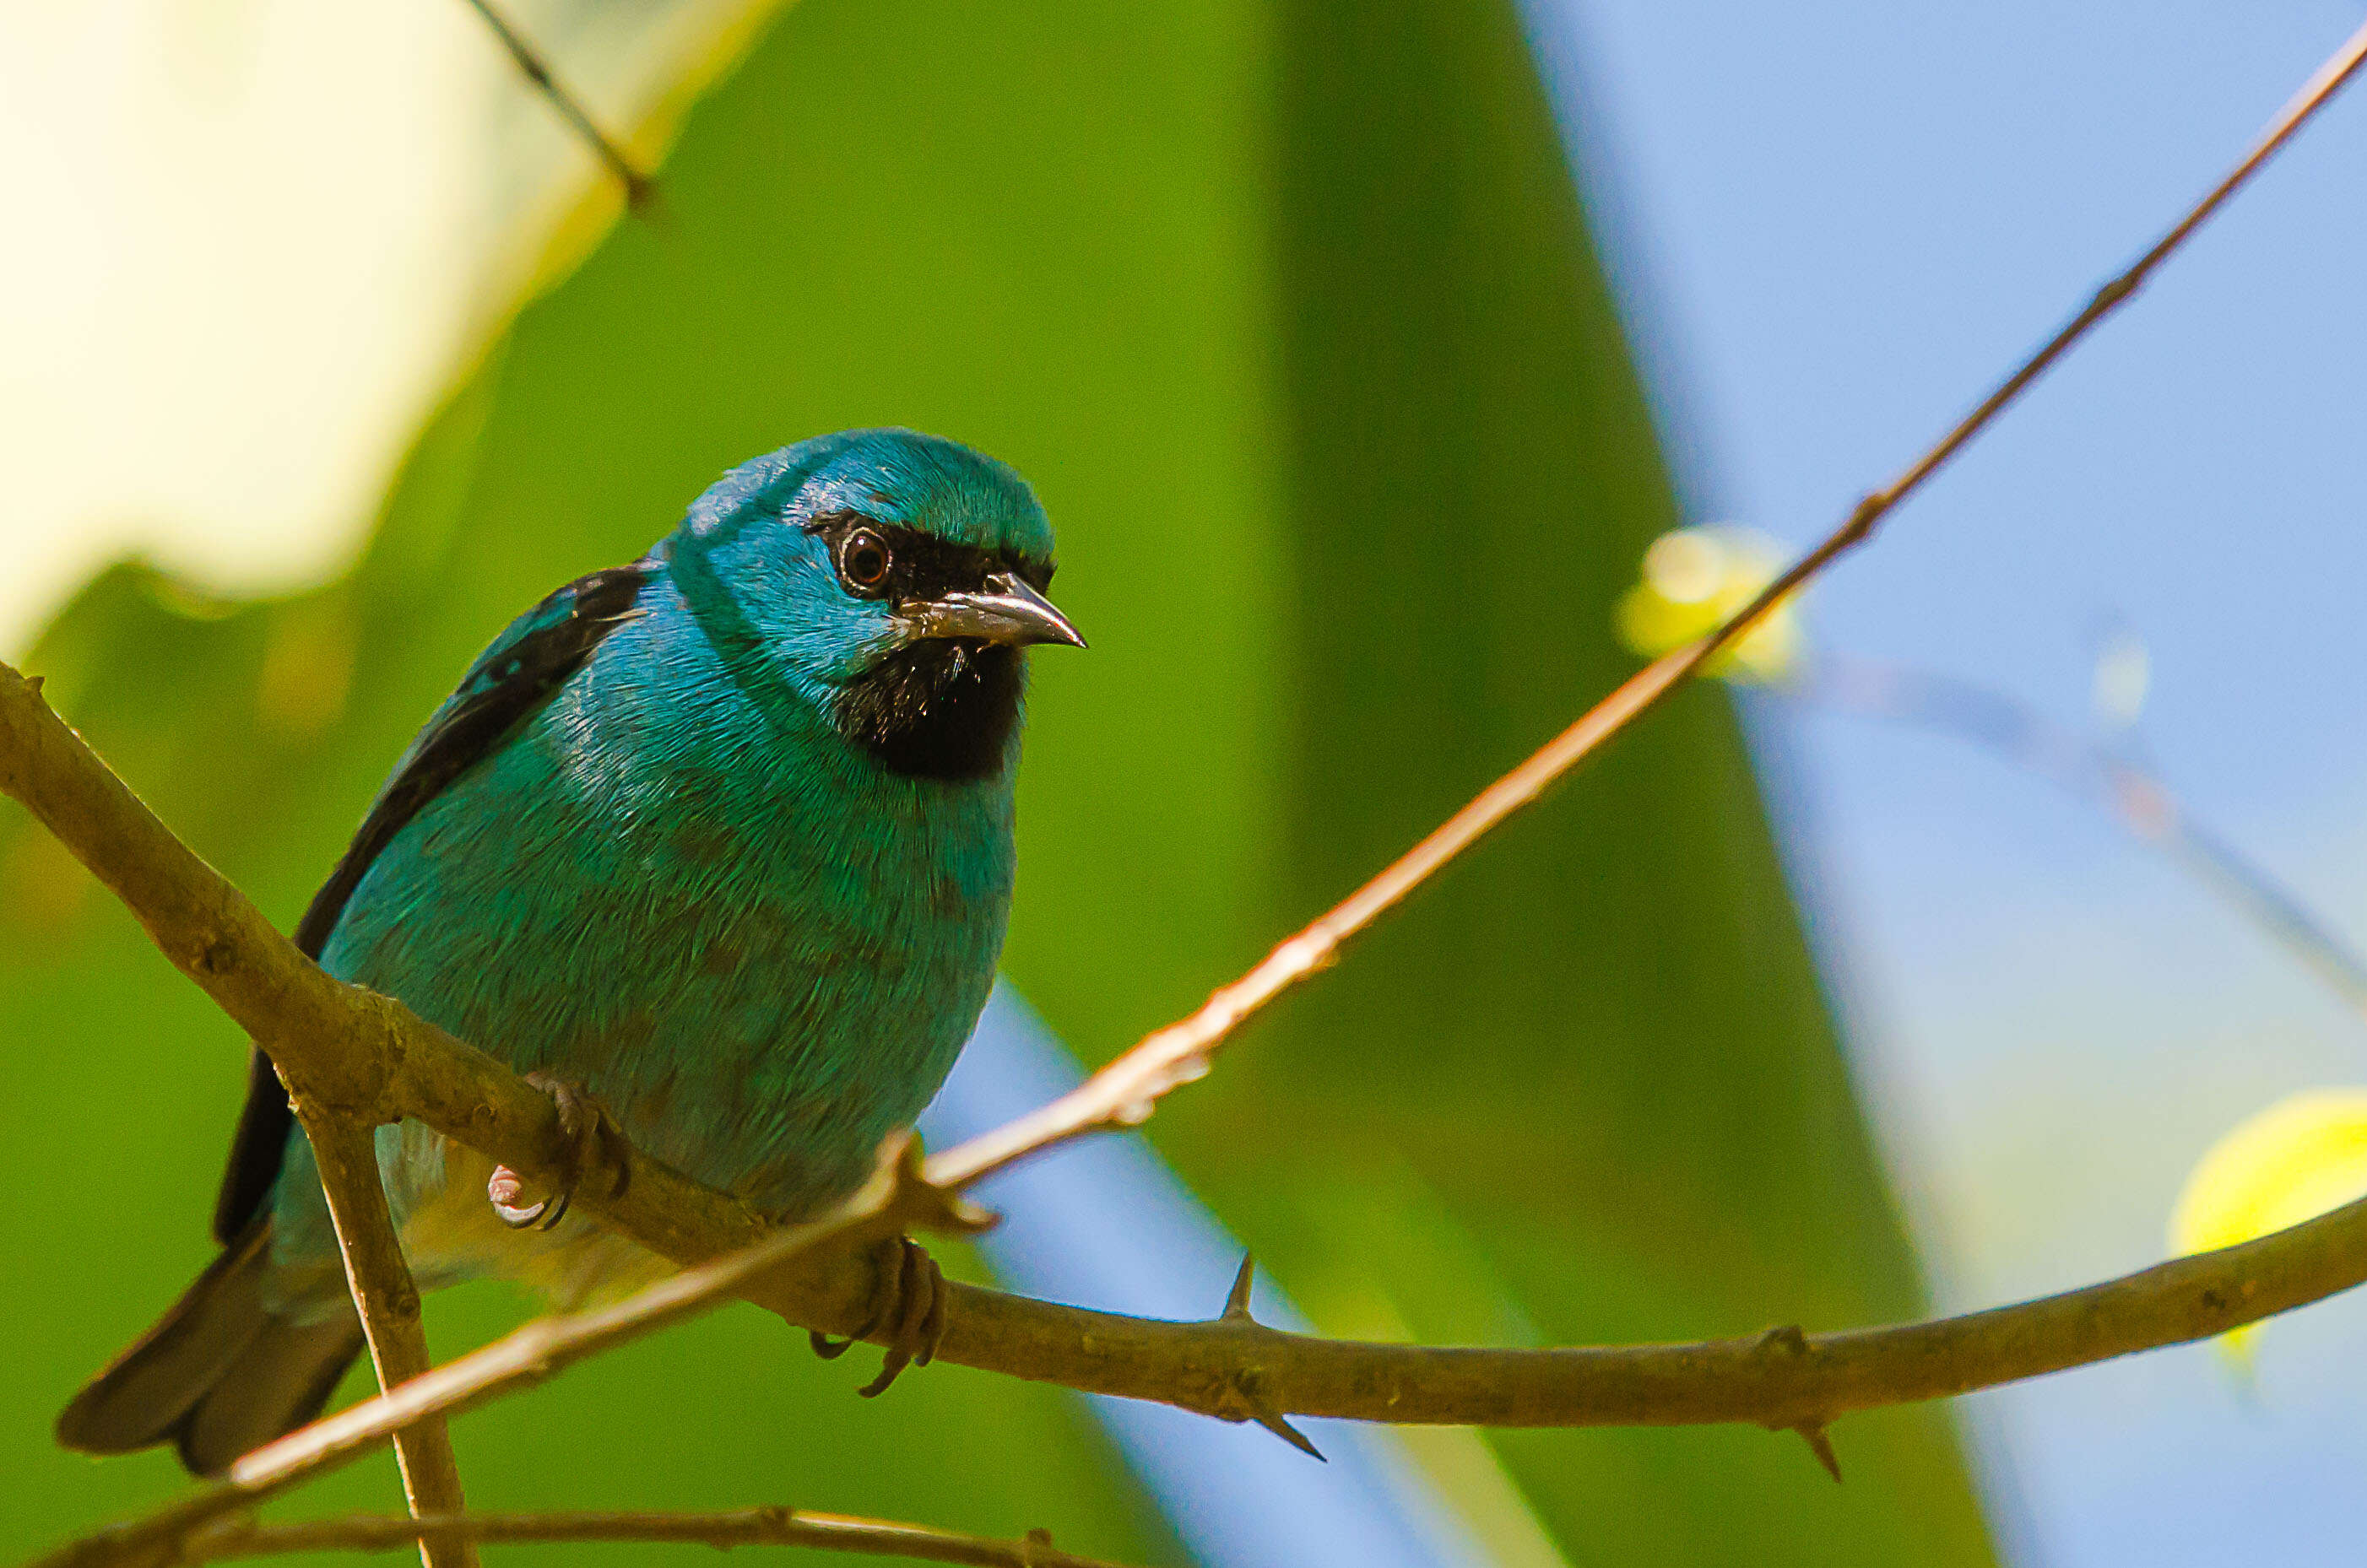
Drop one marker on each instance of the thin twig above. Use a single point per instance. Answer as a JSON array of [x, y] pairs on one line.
[[2137, 798], [893, 1199], [1231, 1367], [639, 186], [1124, 1093], [741, 1526], [1227, 1367], [388, 1302], [371, 1058]]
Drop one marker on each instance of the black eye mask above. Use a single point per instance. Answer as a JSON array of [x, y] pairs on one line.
[[918, 565]]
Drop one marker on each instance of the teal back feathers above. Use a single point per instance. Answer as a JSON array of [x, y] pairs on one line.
[[680, 885], [722, 839]]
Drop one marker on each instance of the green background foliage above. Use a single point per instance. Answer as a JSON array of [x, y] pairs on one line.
[[1289, 312]]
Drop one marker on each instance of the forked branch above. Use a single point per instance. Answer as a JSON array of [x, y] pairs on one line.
[[369, 1058], [388, 1302], [742, 1526], [1122, 1093]]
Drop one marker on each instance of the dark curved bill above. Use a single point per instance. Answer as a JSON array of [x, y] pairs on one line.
[[1008, 611]]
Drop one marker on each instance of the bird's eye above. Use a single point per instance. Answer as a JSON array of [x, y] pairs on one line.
[[864, 560]]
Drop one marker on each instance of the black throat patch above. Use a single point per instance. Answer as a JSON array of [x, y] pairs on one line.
[[943, 708]]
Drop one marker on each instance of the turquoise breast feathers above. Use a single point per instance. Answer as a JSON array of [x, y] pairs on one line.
[[721, 840]]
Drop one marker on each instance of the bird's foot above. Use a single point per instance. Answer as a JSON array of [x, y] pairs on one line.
[[587, 1129], [909, 1291]]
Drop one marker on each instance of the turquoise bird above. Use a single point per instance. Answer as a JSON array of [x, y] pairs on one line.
[[719, 842]]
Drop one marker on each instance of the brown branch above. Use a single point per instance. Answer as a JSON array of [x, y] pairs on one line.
[[745, 1526], [639, 187], [371, 1058], [893, 1199], [1232, 1367], [1235, 1369], [388, 1302], [1124, 1093], [348, 1051]]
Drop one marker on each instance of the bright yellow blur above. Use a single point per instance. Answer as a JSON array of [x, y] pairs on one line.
[[2298, 1159], [1695, 578]]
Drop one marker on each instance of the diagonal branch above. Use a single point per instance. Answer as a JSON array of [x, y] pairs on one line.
[[639, 187], [1235, 1369], [894, 1198], [388, 1304], [2137, 798], [1122, 1093], [743, 1527], [368, 1058], [1229, 1368]]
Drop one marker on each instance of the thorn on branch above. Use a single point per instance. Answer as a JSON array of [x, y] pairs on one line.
[[1787, 1337], [1236, 1301], [1821, 1445], [923, 1204], [109, 827], [1288, 1434], [1246, 1401]]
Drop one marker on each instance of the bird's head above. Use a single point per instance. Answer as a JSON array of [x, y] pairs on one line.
[[893, 580]]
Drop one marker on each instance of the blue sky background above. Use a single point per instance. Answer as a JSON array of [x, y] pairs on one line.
[[1839, 224]]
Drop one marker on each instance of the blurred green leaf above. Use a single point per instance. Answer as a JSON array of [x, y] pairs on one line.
[[1289, 312]]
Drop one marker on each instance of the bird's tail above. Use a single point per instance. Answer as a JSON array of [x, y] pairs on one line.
[[219, 1374]]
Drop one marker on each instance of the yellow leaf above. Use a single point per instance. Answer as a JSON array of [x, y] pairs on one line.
[[1695, 578], [2298, 1159]]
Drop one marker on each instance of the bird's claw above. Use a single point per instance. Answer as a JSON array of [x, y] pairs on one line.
[[585, 1126], [506, 1190], [909, 1292]]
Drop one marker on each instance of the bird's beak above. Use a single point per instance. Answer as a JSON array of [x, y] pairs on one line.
[[1008, 611]]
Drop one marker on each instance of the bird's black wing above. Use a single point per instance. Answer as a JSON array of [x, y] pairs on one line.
[[522, 667]]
